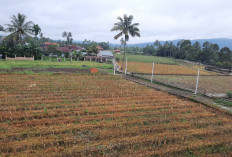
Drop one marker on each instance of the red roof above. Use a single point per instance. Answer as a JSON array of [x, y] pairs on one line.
[[48, 43], [116, 50], [69, 48], [64, 49], [99, 47], [74, 47]]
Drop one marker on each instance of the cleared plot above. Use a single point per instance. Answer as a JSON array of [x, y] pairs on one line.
[[146, 68], [83, 115], [207, 84]]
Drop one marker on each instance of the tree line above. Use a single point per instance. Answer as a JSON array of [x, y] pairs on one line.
[[208, 53]]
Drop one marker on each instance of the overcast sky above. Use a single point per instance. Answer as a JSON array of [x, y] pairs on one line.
[[93, 19]]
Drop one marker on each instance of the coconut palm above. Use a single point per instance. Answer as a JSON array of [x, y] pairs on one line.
[[36, 30], [64, 34], [19, 28], [1, 28], [69, 37], [126, 28]]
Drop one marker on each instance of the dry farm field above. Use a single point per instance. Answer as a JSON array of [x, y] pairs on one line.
[[146, 68], [104, 115], [207, 84]]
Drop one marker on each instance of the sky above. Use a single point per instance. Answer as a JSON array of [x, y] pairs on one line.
[[93, 19]]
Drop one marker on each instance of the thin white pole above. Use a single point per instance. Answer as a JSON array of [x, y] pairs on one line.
[[126, 67], [152, 72], [114, 68], [71, 59], [64, 58], [197, 81]]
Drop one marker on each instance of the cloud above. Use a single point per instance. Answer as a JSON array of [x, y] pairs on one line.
[[92, 20]]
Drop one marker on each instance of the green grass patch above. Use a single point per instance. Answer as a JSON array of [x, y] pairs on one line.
[[224, 102], [8, 64], [147, 59]]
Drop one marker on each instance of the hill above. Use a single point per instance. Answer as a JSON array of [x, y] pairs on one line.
[[222, 42]]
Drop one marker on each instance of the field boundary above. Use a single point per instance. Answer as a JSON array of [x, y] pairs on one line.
[[207, 101]]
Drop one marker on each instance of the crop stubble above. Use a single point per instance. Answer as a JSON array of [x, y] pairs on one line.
[[71, 114]]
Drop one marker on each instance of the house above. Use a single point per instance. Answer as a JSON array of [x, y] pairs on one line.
[[117, 51], [69, 49], [99, 48], [106, 54], [102, 56], [48, 43]]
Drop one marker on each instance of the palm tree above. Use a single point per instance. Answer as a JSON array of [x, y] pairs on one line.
[[36, 29], [1, 28], [69, 37], [64, 35], [19, 28], [126, 28]]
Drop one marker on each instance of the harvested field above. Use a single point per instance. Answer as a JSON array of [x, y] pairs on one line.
[[104, 115], [207, 84], [146, 68]]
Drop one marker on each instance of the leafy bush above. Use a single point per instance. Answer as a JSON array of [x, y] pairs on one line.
[[229, 94]]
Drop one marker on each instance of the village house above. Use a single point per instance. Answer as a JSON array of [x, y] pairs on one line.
[[102, 56], [99, 48], [117, 51]]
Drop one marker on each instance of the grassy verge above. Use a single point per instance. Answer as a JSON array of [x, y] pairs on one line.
[[147, 59], [224, 102], [47, 64]]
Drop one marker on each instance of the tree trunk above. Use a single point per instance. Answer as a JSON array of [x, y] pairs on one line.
[[123, 56]]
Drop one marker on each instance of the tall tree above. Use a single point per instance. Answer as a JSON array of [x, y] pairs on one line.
[[36, 30], [1, 28], [69, 37], [19, 29], [64, 35], [126, 28]]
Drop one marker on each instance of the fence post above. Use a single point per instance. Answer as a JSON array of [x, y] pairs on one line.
[[42, 57], [197, 81], [114, 68], [50, 58], [15, 56], [71, 58], [33, 57], [64, 59], [152, 72], [6, 56], [126, 67], [24, 57]]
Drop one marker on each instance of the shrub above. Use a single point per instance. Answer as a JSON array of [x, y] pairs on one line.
[[229, 94]]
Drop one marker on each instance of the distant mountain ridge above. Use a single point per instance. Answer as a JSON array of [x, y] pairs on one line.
[[222, 42]]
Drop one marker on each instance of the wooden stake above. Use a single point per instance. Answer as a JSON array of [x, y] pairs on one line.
[[197, 81], [152, 72]]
